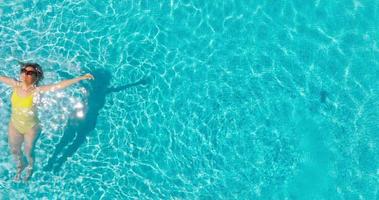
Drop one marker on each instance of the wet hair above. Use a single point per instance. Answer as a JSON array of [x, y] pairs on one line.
[[36, 67]]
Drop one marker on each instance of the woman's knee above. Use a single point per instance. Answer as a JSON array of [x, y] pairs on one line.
[[16, 151], [29, 150]]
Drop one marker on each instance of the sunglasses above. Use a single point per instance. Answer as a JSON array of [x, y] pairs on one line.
[[29, 72]]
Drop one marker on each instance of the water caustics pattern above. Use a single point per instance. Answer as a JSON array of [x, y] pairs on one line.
[[196, 99]]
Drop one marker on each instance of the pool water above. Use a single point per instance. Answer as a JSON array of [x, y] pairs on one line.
[[198, 99]]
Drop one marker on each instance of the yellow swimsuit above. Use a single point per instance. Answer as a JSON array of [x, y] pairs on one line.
[[24, 115]]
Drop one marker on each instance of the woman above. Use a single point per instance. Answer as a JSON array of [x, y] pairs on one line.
[[24, 124]]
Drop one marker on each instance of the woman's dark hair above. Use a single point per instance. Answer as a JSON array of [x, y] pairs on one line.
[[36, 67]]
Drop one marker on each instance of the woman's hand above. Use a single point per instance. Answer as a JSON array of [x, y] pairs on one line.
[[87, 76]]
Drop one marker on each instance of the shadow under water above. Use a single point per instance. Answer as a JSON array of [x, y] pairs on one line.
[[77, 129]]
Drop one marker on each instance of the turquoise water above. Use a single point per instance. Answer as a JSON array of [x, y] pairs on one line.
[[198, 99]]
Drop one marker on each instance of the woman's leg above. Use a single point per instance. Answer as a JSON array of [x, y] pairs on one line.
[[30, 140], [15, 140]]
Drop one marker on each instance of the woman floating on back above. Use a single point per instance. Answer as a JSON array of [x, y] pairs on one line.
[[24, 124]]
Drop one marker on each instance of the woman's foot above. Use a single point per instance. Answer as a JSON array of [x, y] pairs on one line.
[[29, 172], [20, 168]]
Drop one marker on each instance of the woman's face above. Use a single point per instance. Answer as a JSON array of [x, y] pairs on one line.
[[28, 75]]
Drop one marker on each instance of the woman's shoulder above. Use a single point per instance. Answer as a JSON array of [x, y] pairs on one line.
[[17, 85], [17, 89]]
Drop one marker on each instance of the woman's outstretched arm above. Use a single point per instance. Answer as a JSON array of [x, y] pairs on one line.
[[64, 84], [8, 81]]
